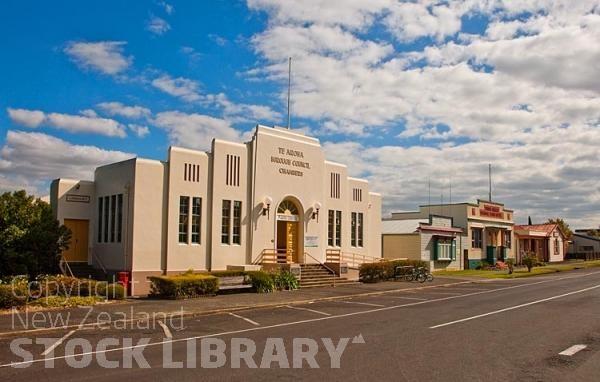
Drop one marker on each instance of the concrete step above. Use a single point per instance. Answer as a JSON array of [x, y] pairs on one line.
[[324, 283]]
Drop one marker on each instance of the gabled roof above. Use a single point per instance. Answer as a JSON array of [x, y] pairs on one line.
[[538, 229], [401, 226]]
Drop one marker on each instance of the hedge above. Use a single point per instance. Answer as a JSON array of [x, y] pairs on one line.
[[384, 270], [186, 285], [66, 286], [12, 297], [114, 291], [266, 282]]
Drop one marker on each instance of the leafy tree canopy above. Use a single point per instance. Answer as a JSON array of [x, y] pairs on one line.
[[563, 226], [30, 238]]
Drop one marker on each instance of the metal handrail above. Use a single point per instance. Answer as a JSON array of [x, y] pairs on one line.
[[62, 263], [259, 260], [95, 257], [322, 264], [355, 259]]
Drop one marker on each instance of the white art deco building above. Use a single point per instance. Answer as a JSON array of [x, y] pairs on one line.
[[273, 197]]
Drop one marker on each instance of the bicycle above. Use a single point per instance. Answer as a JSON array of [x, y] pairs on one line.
[[425, 275]]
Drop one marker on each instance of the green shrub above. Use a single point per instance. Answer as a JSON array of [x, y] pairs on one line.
[[12, 296], [60, 285], [114, 291], [66, 302], [510, 262], [186, 285], [483, 264], [285, 280], [529, 261], [227, 273], [384, 270], [371, 272], [261, 281]]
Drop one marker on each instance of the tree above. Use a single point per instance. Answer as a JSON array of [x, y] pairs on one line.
[[530, 260], [564, 227], [30, 238], [594, 232]]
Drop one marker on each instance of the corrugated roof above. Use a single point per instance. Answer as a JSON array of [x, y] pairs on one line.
[[401, 226], [547, 228]]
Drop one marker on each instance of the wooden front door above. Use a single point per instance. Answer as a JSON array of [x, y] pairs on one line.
[[287, 240], [78, 249]]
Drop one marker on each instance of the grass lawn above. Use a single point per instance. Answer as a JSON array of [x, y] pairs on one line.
[[522, 271]]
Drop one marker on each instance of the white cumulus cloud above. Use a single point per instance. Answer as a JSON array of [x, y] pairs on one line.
[[105, 56]]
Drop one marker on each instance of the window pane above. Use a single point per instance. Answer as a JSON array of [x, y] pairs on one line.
[[100, 199], [113, 217], [476, 234], [338, 228], [119, 217], [196, 212], [237, 222], [359, 229], [106, 211], [225, 221], [330, 229], [184, 206], [353, 229]]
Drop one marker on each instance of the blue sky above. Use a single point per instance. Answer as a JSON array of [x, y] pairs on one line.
[[405, 93]]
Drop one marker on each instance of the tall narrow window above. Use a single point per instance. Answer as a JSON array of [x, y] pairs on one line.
[[100, 212], [338, 228], [353, 229], [330, 224], [196, 212], [106, 212], [236, 237], [359, 229], [113, 217], [507, 237], [119, 217], [184, 206], [225, 221], [476, 234]]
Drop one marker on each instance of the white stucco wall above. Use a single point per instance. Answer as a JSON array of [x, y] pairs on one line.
[[149, 197], [188, 176], [237, 190]]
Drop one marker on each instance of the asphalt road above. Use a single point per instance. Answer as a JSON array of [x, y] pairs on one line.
[[499, 330]]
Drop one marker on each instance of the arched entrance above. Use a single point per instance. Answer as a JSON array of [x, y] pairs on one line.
[[288, 232]]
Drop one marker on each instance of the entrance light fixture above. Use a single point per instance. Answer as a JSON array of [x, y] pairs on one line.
[[316, 208], [267, 206]]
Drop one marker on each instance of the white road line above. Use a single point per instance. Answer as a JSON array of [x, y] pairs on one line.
[[409, 298], [362, 303], [274, 326], [166, 329], [60, 341], [465, 288], [245, 319], [572, 350], [446, 293], [308, 310], [514, 307]]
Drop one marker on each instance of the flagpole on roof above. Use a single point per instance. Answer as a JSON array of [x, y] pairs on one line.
[[490, 179], [289, 91]]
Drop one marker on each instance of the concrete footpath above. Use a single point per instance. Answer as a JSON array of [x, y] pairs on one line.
[[135, 309]]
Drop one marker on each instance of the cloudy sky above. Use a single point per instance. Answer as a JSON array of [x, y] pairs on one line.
[[419, 97]]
